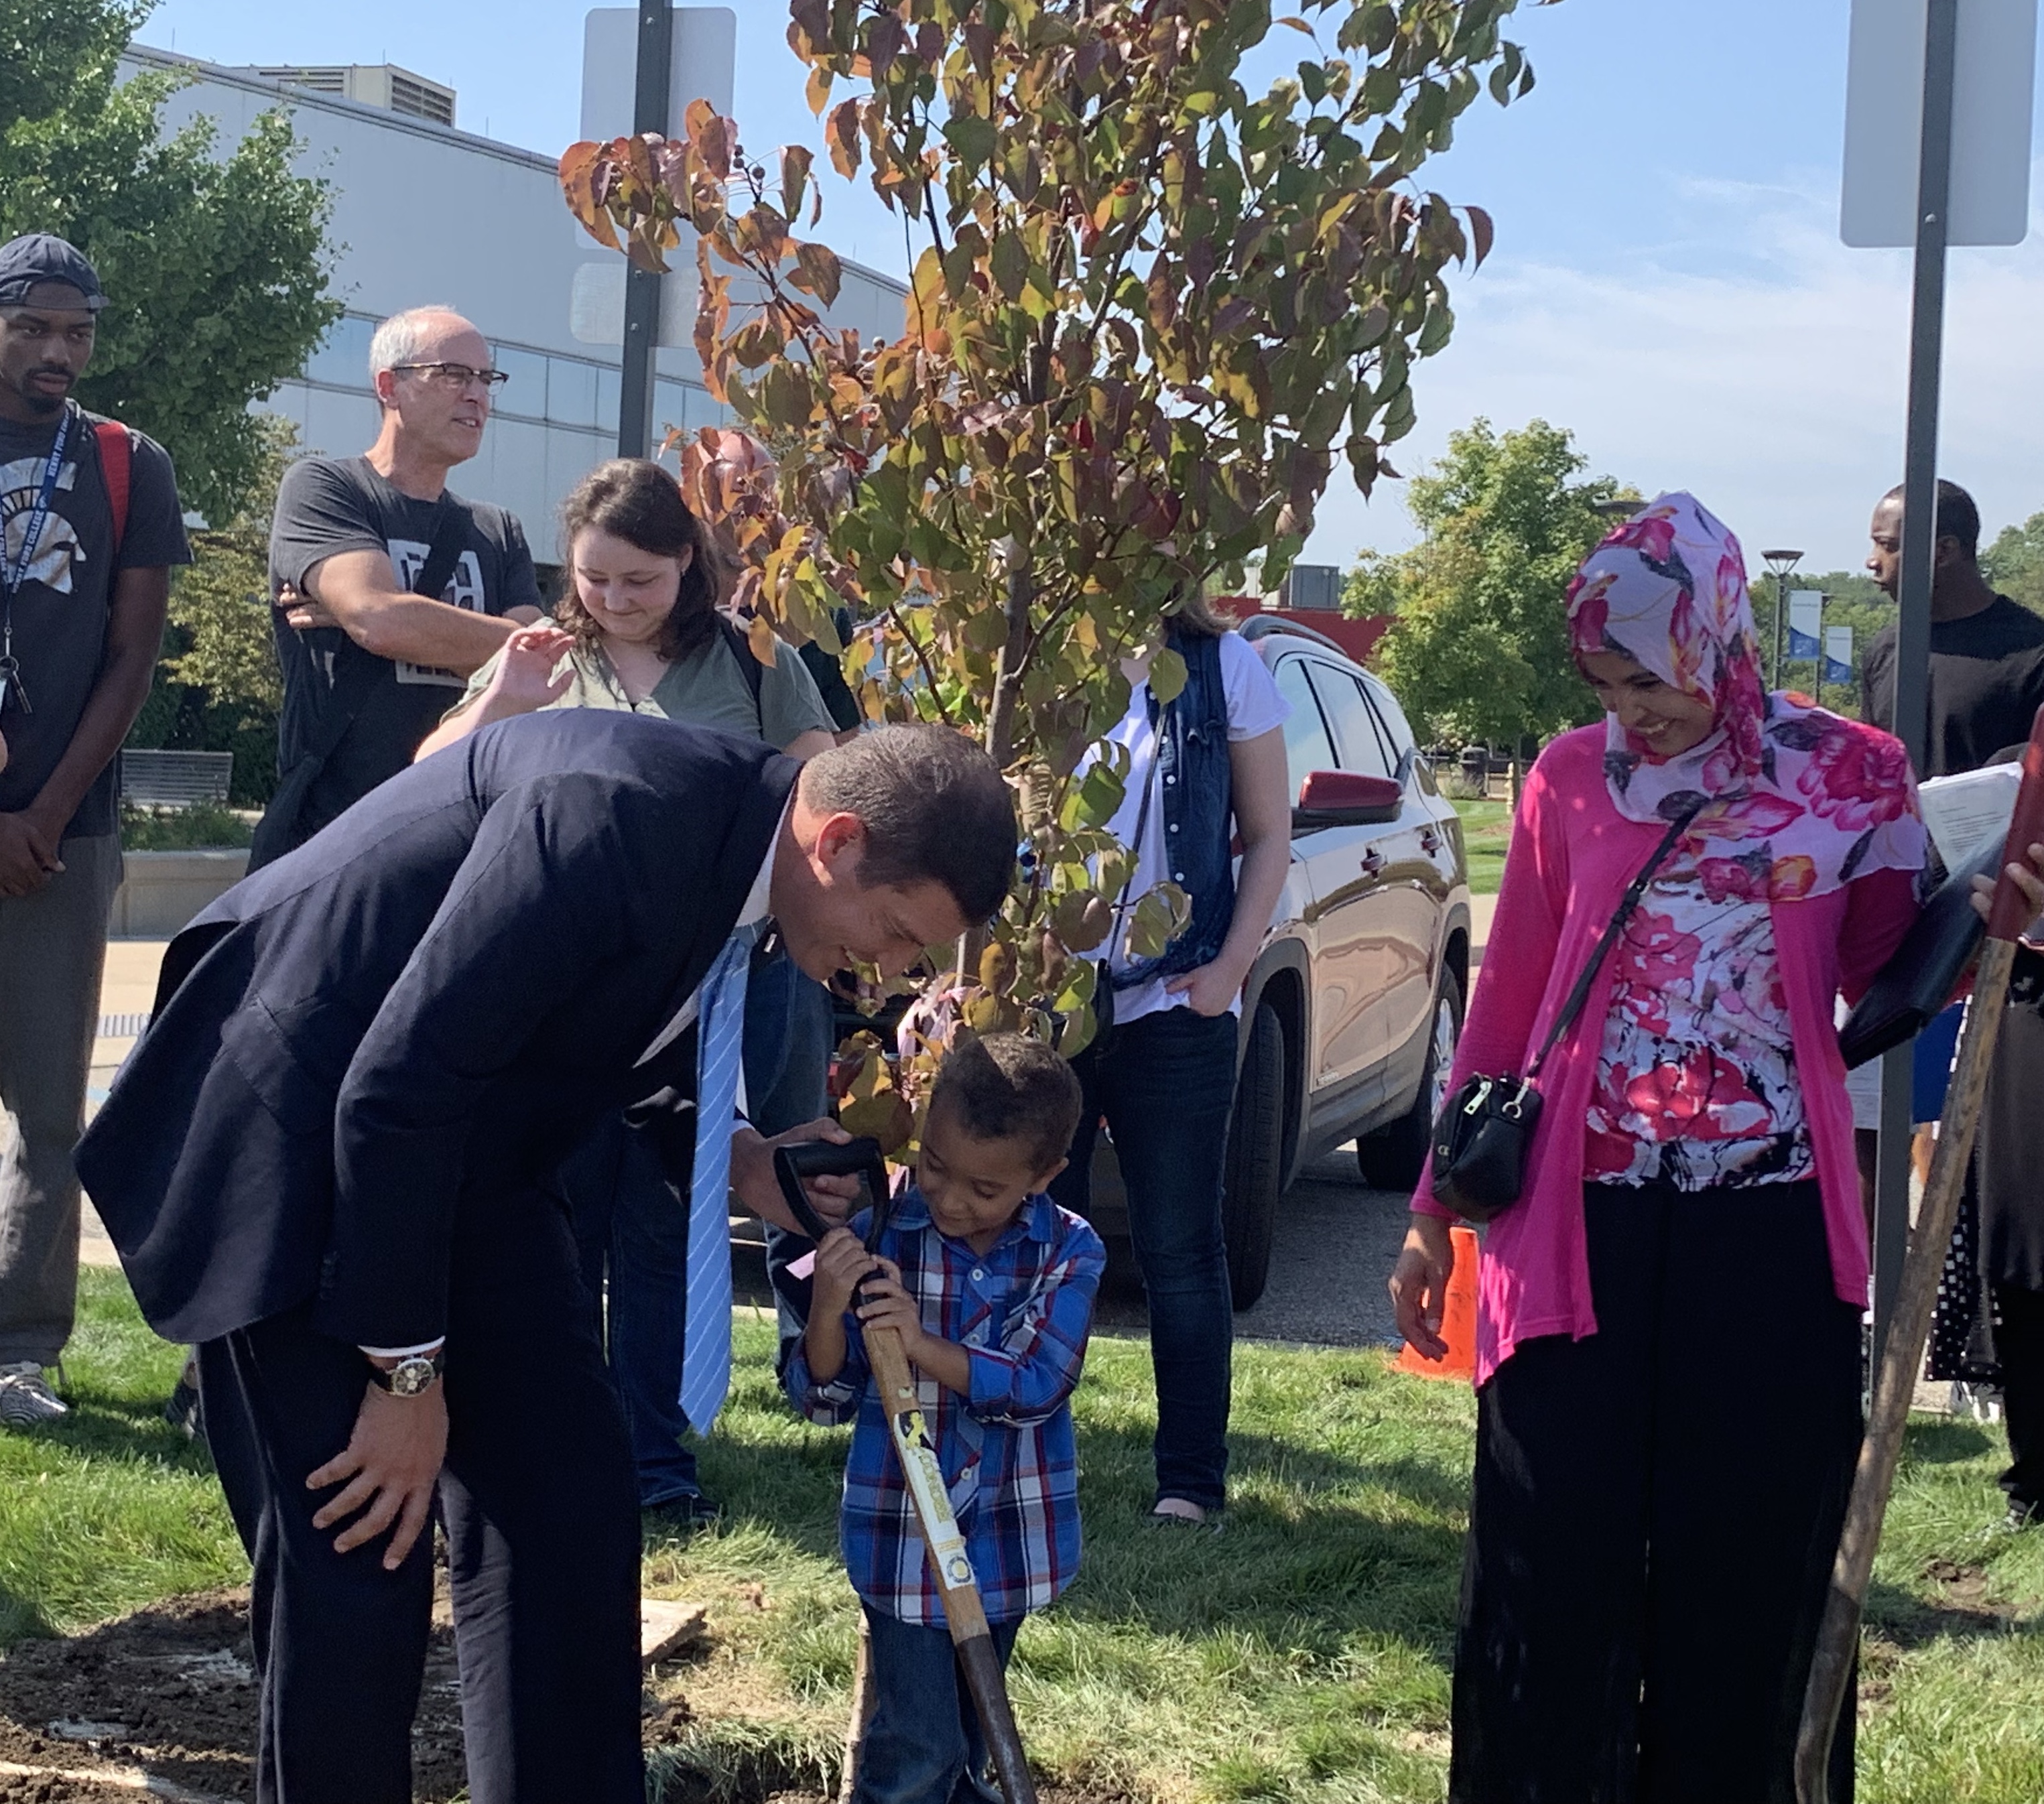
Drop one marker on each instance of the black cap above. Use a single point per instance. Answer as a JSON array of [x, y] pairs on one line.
[[40, 257]]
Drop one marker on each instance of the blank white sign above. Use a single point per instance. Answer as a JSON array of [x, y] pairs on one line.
[[1992, 87]]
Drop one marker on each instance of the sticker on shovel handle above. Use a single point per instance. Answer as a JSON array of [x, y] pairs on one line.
[[933, 1500]]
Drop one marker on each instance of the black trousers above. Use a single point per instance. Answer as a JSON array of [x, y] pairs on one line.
[[2018, 1348], [1655, 1511], [542, 1520]]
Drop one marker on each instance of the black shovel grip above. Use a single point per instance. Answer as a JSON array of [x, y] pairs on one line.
[[822, 1158]]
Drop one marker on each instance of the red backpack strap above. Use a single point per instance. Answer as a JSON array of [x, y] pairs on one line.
[[116, 454]]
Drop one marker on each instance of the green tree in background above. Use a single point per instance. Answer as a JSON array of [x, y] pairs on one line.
[[218, 688], [2014, 563], [1479, 648], [216, 264]]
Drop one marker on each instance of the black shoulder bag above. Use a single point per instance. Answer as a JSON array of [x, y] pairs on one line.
[[1485, 1128], [356, 675]]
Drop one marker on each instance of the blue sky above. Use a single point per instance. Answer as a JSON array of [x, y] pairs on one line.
[[1668, 281]]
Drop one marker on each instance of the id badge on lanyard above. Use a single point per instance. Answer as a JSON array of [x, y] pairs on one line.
[[16, 572]]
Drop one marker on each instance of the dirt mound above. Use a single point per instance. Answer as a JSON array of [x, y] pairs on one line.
[[171, 1691]]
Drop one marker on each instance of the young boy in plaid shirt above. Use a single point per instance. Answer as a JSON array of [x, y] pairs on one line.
[[991, 1286]]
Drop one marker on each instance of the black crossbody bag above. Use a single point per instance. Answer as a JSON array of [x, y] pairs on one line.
[[1485, 1128]]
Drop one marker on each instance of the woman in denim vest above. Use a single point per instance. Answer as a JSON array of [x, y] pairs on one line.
[[1205, 769]]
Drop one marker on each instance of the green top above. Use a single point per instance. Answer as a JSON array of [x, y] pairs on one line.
[[706, 689]]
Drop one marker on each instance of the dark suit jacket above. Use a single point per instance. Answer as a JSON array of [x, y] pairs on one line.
[[402, 1027]]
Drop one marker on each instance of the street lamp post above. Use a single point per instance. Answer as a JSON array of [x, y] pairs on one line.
[[1779, 565]]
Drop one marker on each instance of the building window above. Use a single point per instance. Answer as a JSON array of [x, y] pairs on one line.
[[571, 392], [343, 356]]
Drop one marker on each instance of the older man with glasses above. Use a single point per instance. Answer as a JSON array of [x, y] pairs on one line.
[[388, 588]]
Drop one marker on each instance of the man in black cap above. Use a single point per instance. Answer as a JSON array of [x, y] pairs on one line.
[[90, 525]]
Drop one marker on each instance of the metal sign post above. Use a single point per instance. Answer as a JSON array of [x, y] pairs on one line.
[[1964, 69], [642, 287]]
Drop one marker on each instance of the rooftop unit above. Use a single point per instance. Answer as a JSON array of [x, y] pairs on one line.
[[373, 84]]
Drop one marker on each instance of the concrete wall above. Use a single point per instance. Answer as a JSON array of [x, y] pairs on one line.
[[160, 892]]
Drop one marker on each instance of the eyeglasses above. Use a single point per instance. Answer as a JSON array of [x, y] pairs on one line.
[[455, 378]]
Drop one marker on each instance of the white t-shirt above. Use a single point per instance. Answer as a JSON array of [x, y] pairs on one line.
[[1255, 708]]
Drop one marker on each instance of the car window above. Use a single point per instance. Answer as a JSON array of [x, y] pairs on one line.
[[1355, 727], [1393, 717], [1307, 746]]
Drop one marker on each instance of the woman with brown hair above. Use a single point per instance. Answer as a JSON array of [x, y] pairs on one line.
[[639, 623], [638, 628]]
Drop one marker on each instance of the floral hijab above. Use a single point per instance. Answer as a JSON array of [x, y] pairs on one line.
[[1798, 800]]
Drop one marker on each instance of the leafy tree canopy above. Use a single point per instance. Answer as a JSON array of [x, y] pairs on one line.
[[1479, 649], [215, 265]]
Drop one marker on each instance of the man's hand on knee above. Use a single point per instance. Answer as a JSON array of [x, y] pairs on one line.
[[388, 1472]]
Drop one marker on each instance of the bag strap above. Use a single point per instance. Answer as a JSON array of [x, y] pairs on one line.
[[1581, 994], [741, 649], [450, 540], [117, 456]]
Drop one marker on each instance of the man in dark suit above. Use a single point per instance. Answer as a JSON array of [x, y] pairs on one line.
[[328, 1162]]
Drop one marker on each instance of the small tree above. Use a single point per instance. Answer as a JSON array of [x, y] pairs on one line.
[[1480, 646], [218, 687], [1149, 310], [2014, 563]]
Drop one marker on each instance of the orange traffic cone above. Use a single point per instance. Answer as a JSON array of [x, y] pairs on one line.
[[1457, 1317]]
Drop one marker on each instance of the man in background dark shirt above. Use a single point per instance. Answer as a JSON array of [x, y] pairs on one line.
[[1987, 652], [370, 665], [1986, 682]]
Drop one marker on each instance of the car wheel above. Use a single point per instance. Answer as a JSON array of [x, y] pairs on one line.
[[1255, 1158], [1392, 1158]]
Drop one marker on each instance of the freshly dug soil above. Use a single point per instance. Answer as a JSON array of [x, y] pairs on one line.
[[170, 1690]]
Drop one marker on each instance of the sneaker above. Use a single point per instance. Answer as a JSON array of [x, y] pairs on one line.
[[25, 1396], [2023, 1516]]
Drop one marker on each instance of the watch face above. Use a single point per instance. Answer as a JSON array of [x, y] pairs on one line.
[[411, 1376]]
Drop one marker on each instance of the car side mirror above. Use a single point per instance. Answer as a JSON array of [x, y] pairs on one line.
[[1346, 798]]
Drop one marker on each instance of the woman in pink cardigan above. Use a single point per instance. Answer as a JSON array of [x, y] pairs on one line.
[[1668, 1327]]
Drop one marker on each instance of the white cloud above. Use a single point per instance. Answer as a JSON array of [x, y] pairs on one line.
[[1774, 388]]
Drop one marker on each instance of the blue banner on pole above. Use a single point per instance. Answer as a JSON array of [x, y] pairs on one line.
[[1806, 619], [1837, 654]]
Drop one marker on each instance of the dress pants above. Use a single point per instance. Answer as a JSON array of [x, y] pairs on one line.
[[542, 1534], [1653, 1525]]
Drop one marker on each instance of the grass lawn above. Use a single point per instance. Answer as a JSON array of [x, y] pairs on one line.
[[1486, 833], [1301, 1655]]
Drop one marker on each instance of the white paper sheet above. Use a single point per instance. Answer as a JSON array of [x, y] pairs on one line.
[[1967, 812]]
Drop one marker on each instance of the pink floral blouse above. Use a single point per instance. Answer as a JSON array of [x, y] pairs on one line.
[[1696, 1080]]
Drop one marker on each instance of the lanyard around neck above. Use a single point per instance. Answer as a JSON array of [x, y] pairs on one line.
[[19, 566]]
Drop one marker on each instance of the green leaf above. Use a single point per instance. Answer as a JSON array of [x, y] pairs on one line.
[[1167, 676], [1094, 800], [972, 138]]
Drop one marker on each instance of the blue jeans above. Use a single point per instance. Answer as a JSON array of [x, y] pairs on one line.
[[631, 1219], [922, 1744], [1165, 1084]]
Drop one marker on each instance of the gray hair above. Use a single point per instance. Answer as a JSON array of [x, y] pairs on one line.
[[399, 339]]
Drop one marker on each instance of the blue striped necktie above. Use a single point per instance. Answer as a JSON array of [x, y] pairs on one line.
[[720, 1040]]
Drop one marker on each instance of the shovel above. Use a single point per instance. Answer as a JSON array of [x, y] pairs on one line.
[[1917, 1295], [964, 1614]]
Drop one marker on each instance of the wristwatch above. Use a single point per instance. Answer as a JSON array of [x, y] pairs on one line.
[[411, 1377]]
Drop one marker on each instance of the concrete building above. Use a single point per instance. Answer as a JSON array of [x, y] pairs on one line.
[[426, 212]]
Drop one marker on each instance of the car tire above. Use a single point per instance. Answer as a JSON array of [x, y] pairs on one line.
[[1392, 1158], [1255, 1164]]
